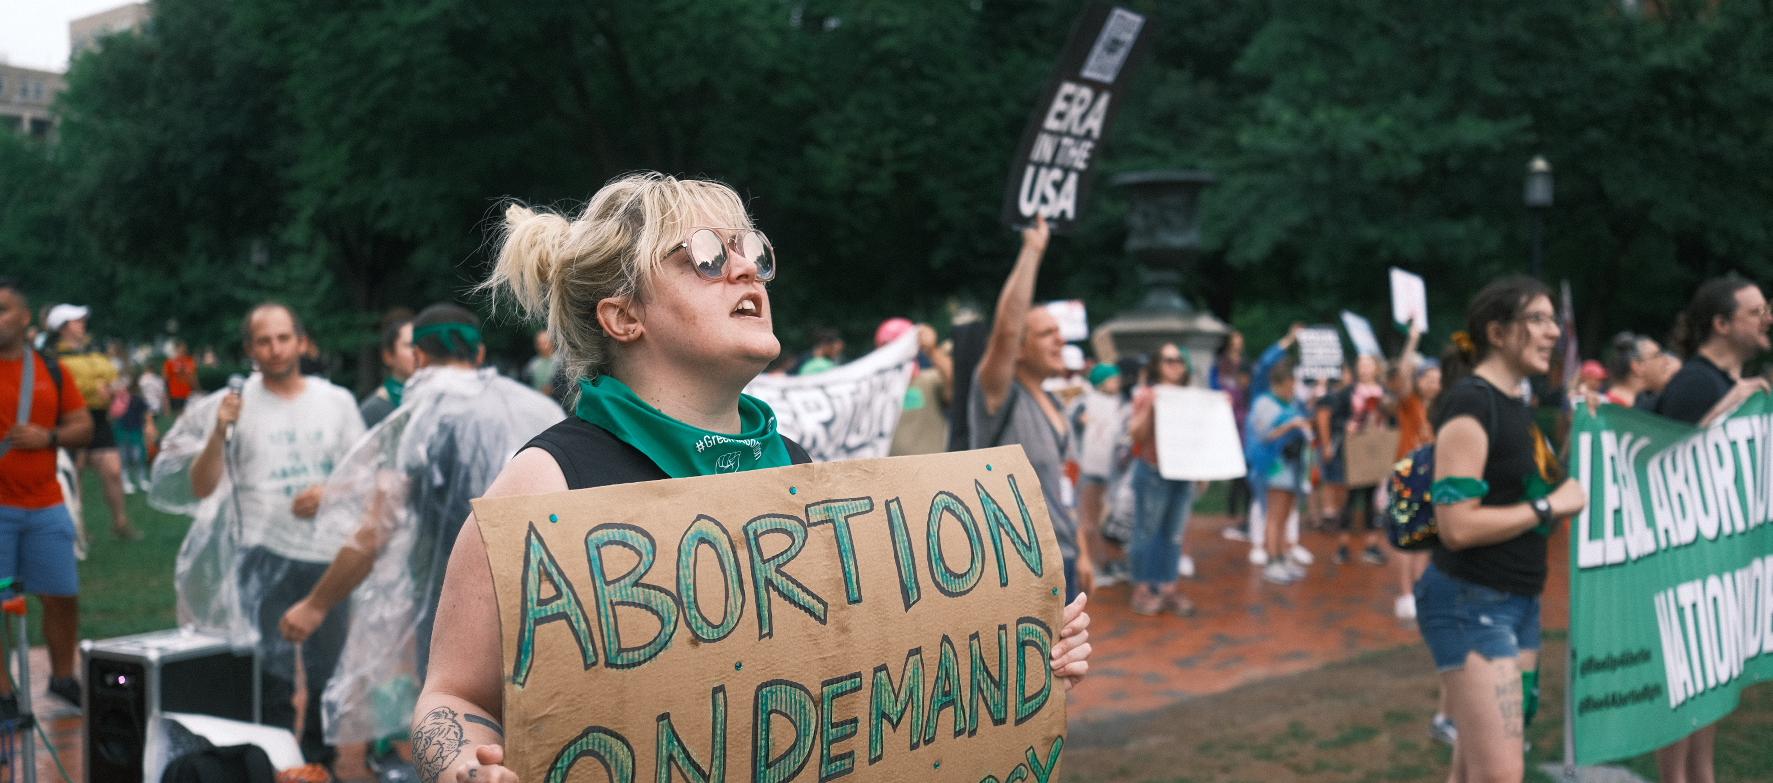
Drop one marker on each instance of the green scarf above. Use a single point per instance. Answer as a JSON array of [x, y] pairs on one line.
[[394, 388], [677, 448]]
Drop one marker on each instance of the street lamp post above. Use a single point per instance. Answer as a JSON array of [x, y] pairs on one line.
[[1537, 197], [1163, 238]]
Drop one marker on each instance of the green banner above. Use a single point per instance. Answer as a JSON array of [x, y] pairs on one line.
[[1671, 574]]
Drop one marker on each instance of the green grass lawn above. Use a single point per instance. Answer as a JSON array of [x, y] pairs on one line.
[[125, 586]]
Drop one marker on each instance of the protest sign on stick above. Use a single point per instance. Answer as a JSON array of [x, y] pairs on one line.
[[1050, 174], [1409, 300], [1360, 332], [1320, 353], [1074, 321], [848, 412], [889, 619], [1197, 436], [1671, 581]]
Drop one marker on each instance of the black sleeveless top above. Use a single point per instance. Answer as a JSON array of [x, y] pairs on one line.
[[589, 456]]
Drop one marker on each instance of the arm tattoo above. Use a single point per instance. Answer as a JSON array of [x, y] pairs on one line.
[[436, 740], [479, 721]]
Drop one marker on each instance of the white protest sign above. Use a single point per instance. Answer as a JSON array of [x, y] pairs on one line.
[[1074, 322], [1320, 353], [1197, 436], [1360, 332], [848, 412], [1409, 299]]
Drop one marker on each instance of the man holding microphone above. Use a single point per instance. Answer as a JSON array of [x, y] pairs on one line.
[[266, 451]]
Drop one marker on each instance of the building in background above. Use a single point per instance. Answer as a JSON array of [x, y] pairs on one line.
[[85, 33], [26, 95]]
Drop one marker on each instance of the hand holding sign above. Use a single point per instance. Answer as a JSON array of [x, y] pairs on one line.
[[893, 616]]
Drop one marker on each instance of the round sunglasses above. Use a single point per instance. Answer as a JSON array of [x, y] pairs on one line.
[[708, 251]]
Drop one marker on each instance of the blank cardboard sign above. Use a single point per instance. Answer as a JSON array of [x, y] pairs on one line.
[[885, 619]]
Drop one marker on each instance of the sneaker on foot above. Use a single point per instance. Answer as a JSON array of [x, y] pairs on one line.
[[1278, 574], [1405, 606], [1372, 556], [1179, 605], [1442, 730], [1341, 555], [1185, 567], [1234, 533], [1300, 555], [1147, 603], [1258, 556], [1298, 571], [67, 688]]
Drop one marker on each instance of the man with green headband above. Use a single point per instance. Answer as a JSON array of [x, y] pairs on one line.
[[398, 499]]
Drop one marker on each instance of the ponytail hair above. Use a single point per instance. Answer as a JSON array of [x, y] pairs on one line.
[[557, 268], [1501, 301], [1715, 298]]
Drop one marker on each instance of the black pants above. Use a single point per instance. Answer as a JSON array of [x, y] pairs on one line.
[[276, 583]]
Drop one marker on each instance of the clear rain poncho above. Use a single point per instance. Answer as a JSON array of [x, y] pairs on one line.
[[401, 495], [246, 548]]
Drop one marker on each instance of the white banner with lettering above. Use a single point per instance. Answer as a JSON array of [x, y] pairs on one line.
[[847, 412]]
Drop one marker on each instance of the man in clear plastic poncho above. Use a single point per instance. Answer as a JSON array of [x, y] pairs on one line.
[[399, 498], [248, 465]]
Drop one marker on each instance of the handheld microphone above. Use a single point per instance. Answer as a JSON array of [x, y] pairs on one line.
[[236, 383]]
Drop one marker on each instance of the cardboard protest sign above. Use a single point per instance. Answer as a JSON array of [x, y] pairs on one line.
[[1369, 456], [890, 619], [1197, 436], [1671, 580], [1074, 321], [1409, 299], [1360, 332], [1320, 353], [1050, 174], [848, 412]]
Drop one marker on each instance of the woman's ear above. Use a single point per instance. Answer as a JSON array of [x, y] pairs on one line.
[[619, 318]]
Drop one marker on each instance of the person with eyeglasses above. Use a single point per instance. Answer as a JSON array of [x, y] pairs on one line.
[[656, 296], [1161, 506], [1499, 492], [1723, 327]]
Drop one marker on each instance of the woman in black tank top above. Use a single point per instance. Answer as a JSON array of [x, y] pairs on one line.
[[655, 297], [1477, 604]]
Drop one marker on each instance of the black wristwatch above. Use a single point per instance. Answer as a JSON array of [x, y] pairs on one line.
[[55, 438], [1542, 507]]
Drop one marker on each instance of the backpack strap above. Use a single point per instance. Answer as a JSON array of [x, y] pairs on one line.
[[26, 391]]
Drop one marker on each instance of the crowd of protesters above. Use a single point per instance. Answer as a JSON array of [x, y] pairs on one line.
[[630, 377]]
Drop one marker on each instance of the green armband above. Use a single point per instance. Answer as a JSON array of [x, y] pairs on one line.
[[1457, 489], [1529, 697]]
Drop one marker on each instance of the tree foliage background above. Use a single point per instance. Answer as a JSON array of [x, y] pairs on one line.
[[349, 157]]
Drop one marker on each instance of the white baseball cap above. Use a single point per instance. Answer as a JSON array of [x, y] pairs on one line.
[[61, 314]]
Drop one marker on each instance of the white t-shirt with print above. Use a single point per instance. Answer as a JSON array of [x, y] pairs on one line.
[[281, 447]]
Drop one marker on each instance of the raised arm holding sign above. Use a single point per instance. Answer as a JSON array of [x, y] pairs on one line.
[[660, 397]]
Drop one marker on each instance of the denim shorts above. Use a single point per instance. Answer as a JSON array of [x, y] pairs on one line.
[[37, 549], [1458, 617]]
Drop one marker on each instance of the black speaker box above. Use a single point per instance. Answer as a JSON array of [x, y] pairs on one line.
[[130, 680]]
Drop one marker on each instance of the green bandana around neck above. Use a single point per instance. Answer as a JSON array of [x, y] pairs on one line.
[[395, 388], [678, 448]]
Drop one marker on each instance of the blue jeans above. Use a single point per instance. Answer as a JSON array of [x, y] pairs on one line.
[[1160, 509], [1458, 618]]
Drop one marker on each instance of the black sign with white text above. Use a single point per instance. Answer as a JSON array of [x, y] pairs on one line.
[[1051, 171]]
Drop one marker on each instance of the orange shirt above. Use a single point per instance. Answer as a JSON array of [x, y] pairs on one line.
[[27, 476], [180, 371]]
